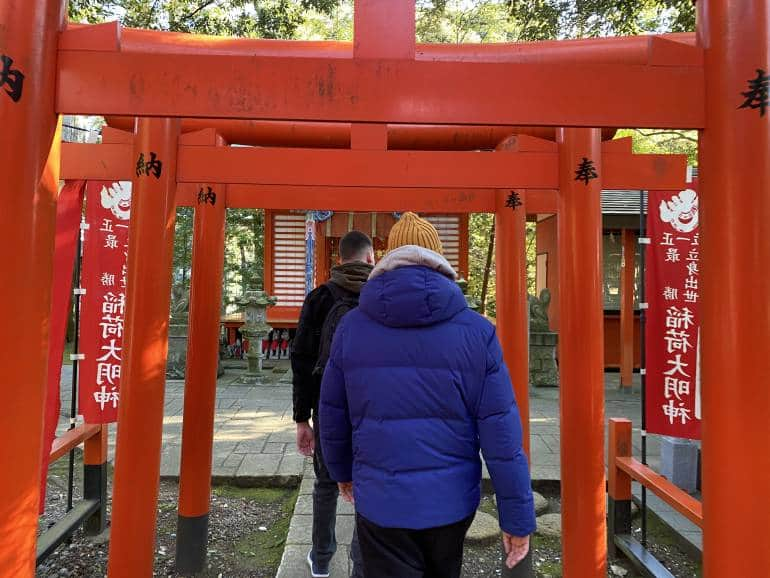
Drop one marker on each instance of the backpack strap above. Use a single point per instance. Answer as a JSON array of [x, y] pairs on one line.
[[339, 293]]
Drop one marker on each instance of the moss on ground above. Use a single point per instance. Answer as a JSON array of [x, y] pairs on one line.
[[263, 549]]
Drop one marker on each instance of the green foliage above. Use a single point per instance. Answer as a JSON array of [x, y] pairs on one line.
[[480, 226], [244, 252], [456, 21], [682, 142], [245, 18]]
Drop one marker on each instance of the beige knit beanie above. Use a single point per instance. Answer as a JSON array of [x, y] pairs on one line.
[[412, 230]]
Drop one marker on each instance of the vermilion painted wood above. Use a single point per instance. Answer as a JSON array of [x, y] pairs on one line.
[[95, 447], [581, 358], [319, 134], [72, 439], [208, 253], [532, 170], [293, 88], [145, 349], [674, 496], [734, 190], [28, 149], [627, 273], [512, 308], [619, 446]]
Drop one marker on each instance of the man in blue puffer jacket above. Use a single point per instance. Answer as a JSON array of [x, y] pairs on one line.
[[414, 387]]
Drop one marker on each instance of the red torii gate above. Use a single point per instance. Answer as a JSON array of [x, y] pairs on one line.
[[656, 82], [383, 181]]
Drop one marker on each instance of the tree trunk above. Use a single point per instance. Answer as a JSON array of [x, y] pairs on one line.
[[487, 268]]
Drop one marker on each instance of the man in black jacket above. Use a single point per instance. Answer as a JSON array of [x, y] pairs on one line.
[[356, 262]]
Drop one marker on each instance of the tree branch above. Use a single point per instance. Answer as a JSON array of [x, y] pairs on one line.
[[672, 133], [189, 15]]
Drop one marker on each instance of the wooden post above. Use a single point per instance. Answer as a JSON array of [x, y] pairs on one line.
[[627, 269], [29, 149], [618, 483], [735, 250], [201, 377], [95, 479], [148, 295], [581, 354]]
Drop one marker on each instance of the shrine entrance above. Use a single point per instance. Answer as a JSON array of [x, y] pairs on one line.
[[715, 81]]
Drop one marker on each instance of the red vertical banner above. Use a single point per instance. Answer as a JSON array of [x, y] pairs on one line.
[[673, 324], [108, 207], [67, 220]]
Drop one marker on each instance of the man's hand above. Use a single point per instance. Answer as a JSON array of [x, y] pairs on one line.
[[305, 439], [346, 491], [515, 549]]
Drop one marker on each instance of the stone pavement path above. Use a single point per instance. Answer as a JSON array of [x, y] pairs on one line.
[[253, 428]]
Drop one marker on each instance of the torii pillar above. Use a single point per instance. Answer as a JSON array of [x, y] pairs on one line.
[[145, 349], [29, 149], [208, 255], [511, 290], [735, 311], [581, 354]]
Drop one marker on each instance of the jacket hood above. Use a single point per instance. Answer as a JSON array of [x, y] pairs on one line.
[[351, 276], [405, 291]]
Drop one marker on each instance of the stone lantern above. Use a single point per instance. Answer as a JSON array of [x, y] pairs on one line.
[[255, 329]]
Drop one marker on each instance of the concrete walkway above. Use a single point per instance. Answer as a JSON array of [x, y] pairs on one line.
[[255, 443]]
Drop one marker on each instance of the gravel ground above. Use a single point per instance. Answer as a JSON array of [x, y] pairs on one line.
[[486, 561], [247, 532]]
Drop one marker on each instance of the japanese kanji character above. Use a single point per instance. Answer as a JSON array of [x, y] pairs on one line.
[[679, 318], [11, 79], [672, 255], [757, 94], [111, 242], [107, 372], [513, 200], [111, 326], [673, 413], [670, 294], [114, 304], [103, 397], [677, 341], [677, 366], [208, 196], [586, 171], [112, 352]]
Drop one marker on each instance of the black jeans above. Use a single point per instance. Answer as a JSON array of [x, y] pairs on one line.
[[403, 553], [325, 494]]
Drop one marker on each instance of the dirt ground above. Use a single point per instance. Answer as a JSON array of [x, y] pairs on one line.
[[247, 532]]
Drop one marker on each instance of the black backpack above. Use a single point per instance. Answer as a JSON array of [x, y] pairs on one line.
[[344, 301]]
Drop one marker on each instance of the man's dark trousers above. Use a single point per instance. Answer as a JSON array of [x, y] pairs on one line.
[[403, 553], [325, 494]]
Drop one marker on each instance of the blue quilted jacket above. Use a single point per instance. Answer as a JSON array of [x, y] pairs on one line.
[[414, 388]]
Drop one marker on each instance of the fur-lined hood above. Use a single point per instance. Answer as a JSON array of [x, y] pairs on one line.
[[413, 255]]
